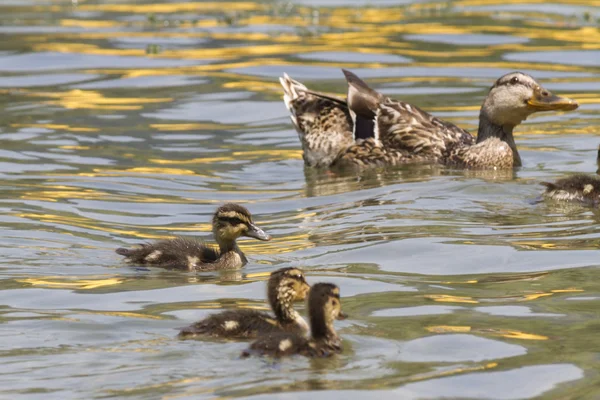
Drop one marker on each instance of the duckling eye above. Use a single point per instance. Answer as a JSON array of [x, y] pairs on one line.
[[514, 80]]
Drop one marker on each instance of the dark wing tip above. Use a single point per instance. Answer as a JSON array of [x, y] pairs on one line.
[[354, 80]]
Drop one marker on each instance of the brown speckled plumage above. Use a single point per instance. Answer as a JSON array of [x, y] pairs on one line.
[[323, 308], [285, 286], [230, 221], [370, 129]]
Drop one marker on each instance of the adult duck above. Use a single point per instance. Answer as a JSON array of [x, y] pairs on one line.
[[370, 129]]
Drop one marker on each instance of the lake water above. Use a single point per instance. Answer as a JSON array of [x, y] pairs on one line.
[[126, 121]]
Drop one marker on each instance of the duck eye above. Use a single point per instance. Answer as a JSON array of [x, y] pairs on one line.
[[514, 80]]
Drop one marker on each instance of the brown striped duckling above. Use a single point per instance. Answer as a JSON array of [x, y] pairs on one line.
[[285, 286], [369, 129], [323, 308], [229, 222], [578, 188]]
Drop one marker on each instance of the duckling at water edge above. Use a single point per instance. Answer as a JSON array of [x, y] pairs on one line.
[[229, 222], [285, 286], [323, 308], [580, 188]]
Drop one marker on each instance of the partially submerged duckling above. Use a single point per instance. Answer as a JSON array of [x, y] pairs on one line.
[[323, 308], [580, 188], [370, 129], [229, 222], [576, 188], [285, 286]]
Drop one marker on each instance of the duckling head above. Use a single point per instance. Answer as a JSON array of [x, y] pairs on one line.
[[232, 221], [324, 307], [515, 96], [286, 285]]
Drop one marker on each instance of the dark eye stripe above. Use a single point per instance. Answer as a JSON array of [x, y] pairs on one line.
[[510, 82], [232, 220]]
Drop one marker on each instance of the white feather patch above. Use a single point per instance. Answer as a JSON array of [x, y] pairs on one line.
[[285, 344], [230, 325], [153, 256], [192, 261]]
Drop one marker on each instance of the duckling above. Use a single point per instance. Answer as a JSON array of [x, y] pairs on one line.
[[229, 222], [285, 286], [576, 188], [323, 308], [369, 129], [580, 188]]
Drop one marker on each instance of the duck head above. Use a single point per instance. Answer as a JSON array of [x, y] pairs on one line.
[[231, 221], [516, 95], [513, 98], [324, 307]]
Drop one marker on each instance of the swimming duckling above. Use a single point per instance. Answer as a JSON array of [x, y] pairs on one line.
[[229, 222], [323, 308], [576, 188], [285, 286], [369, 129]]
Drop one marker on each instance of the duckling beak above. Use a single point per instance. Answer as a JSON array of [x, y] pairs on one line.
[[304, 291], [543, 100], [342, 316], [257, 233]]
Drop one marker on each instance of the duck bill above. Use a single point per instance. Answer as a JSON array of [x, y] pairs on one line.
[[257, 233], [342, 316], [543, 100], [303, 292]]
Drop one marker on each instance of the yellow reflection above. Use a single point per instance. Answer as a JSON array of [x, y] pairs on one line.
[[204, 160], [520, 335], [124, 314], [453, 371], [448, 328], [192, 228], [573, 290], [164, 171], [189, 127], [88, 23], [85, 223], [57, 127], [254, 86], [65, 192], [507, 333], [445, 298], [80, 284], [263, 155], [258, 275], [534, 296], [168, 7], [74, 147], [278, 245], [88, 99], [143, 170]]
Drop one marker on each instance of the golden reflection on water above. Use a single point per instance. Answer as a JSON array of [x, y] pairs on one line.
[[507, 333], [67, 283], [89, 99], [60, 127], [173, 7]]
